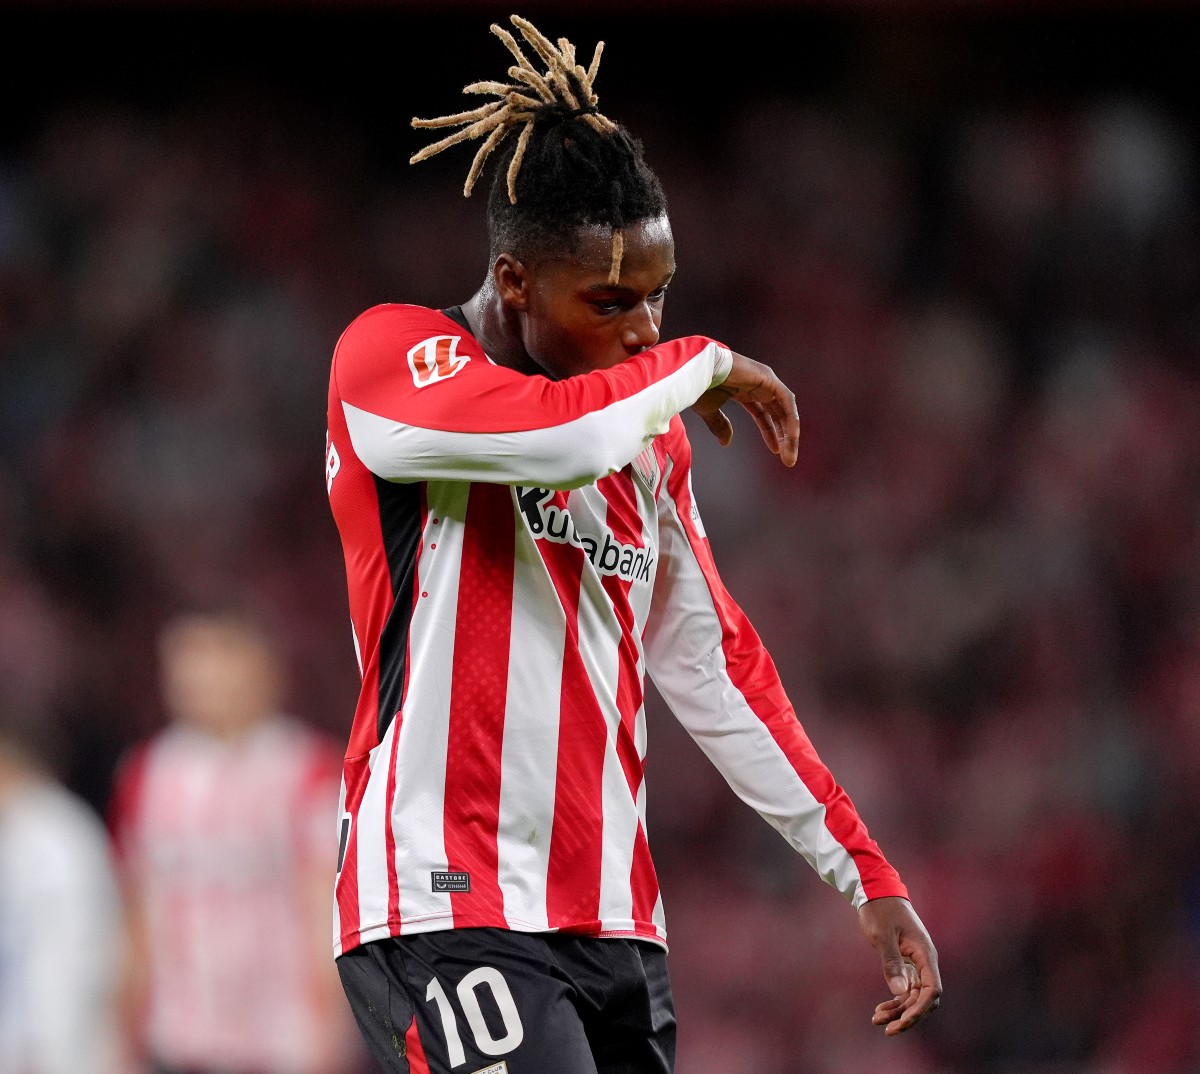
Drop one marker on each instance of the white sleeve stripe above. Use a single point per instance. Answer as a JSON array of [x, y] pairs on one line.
[[570, 455]]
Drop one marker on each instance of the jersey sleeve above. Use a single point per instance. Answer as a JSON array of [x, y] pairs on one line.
[[125, 803], [421, 401], [718, 679]]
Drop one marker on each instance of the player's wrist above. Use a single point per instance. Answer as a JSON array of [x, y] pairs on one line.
[[722, 364]]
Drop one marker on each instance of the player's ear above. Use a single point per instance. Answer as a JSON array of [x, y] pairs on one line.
[[512, 281]]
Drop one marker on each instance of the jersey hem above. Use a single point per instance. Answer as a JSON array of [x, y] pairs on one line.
[[445, 922]]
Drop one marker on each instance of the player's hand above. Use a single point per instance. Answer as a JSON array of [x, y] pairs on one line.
[[910, 963], [769, 401]]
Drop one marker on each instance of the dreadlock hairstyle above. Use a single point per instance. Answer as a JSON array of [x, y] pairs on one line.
[[568, 167]]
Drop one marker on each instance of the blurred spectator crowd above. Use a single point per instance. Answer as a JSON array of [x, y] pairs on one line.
[[981, 583]]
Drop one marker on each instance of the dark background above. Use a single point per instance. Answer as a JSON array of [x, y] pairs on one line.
[[366, 65]]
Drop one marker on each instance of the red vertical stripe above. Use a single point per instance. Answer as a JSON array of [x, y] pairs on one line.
[[622, 513], [124, 809], [370, 596], [368, 578], [643, 880], [479, 690], [126, 801], [415, 1050], [576, 836], [573, 876]]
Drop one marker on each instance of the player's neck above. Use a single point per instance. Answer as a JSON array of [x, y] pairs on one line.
[[493, 325]]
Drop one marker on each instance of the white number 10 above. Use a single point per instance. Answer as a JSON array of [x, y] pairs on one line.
[[484, 1041]]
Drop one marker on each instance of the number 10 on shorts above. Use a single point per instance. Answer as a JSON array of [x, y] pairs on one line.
[[468, 998]]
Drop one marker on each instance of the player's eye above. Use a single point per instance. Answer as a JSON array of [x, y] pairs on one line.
[[607, 304], [619, 304]]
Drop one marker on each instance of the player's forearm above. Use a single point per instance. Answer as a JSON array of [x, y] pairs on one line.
[[711, 667], [586, 427]]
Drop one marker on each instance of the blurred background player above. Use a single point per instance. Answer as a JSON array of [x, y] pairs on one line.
[[222, 821], [60, 918]]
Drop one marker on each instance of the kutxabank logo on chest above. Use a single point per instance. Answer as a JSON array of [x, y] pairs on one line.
[[547, 521]]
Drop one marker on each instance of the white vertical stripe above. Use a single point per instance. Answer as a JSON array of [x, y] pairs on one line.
[[620, 832], [418, 811], [641, 595], [660, 917], [371, 839], [530, 751]]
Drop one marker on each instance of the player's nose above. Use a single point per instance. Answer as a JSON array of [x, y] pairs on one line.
[[640, 328]]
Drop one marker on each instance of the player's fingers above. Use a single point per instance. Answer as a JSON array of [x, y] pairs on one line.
[[789, 438], [769, 423], [787, 416], [887, 1011], [923, 958], [924, 1000], [902, 1013], [767, 426], [719, 425], [780, 429]]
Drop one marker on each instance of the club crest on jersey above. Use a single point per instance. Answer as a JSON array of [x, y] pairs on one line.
[[436, 358], [549, 522], [646, 467]]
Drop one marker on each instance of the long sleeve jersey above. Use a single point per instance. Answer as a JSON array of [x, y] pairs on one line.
[[520, 554]]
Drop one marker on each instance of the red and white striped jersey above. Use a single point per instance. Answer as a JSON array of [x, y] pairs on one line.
[[220, 843], [520, 554]]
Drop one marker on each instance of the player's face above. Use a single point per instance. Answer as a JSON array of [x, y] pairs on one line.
[[216, 674], [576, 321]]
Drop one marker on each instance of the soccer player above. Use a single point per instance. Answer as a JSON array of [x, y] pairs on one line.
[[221, 820], [511, 481]]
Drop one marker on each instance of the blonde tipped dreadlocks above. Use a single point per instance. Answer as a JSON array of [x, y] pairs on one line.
[[563, 81], [615, 187]]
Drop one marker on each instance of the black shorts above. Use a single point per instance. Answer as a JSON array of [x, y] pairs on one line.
[[491, 1001]]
